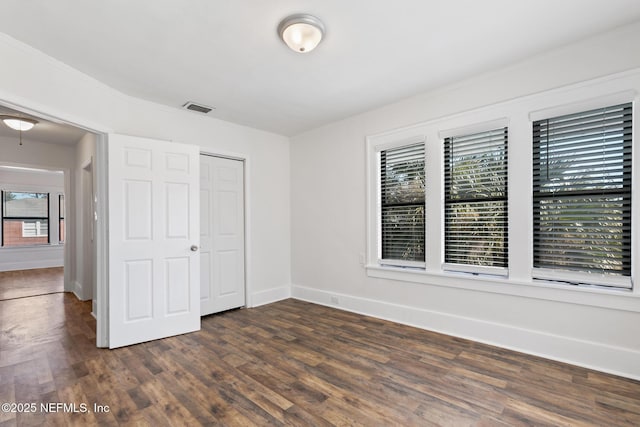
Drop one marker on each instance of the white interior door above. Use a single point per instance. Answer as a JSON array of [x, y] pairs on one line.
[[154, 271], [221, 234]]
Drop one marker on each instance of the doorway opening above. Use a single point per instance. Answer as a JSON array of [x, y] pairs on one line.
[[47, 231], [222, 234], [32, 231]]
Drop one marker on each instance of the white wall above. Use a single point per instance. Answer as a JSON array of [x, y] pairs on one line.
[[37, 155], [26, 179], [329, 209], [44, 85], [85, 153]]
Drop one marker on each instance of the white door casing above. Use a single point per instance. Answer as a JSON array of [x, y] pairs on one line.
[[154, 266], [87, 222], [221, 234]]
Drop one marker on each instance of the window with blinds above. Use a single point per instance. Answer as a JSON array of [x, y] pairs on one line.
[[582, 192], [476, 234], [402, 197]]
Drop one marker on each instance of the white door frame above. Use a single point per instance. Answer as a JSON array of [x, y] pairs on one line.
[[247, 216], [101, 241], [87, 220]]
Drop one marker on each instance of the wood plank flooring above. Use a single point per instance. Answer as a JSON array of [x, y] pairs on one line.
[[289, 363], [26, 283]]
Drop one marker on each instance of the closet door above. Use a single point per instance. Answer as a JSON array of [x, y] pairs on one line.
[[222, 284]]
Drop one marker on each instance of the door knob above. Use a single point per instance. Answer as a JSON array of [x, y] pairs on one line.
[[194, 248]]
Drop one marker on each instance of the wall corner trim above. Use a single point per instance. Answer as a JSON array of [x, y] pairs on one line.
[[270, 295], [78, 291]]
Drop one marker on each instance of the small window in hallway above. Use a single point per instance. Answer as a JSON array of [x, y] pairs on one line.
[[25, 218], [61, 232]]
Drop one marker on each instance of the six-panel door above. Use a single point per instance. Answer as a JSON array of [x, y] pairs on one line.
[[221, 234], [154, 266]]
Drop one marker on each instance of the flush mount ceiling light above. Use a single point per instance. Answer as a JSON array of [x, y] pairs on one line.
[[301, 32], [21, 124]]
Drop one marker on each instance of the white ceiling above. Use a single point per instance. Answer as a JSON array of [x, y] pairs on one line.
[[45, 131], [227, 54]]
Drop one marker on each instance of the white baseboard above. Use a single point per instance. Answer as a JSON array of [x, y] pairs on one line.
[[588, 354], [78, 290], [270, 295]]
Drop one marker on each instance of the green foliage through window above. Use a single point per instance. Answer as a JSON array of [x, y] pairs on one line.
[[582, 191], [403, 198], [476, 199]]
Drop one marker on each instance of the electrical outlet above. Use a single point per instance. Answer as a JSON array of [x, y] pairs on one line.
[[361, 258], [334, 300]]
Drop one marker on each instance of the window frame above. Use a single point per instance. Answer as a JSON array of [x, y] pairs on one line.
[[574, 276], [518, 113], [61, 219], [375, 145], [52, 215], [4, 218], [387, 206], [448, 139]]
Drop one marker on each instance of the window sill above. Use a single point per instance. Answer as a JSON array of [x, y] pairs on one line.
[[617, 299]]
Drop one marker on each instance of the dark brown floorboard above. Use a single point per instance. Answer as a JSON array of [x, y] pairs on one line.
[[289, 363], [28, 283]]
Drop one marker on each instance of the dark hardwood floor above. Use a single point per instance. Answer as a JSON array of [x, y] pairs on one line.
[[289, 363], [26, 283]]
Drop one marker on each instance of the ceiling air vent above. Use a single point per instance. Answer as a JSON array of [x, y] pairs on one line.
[[197, 107]]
